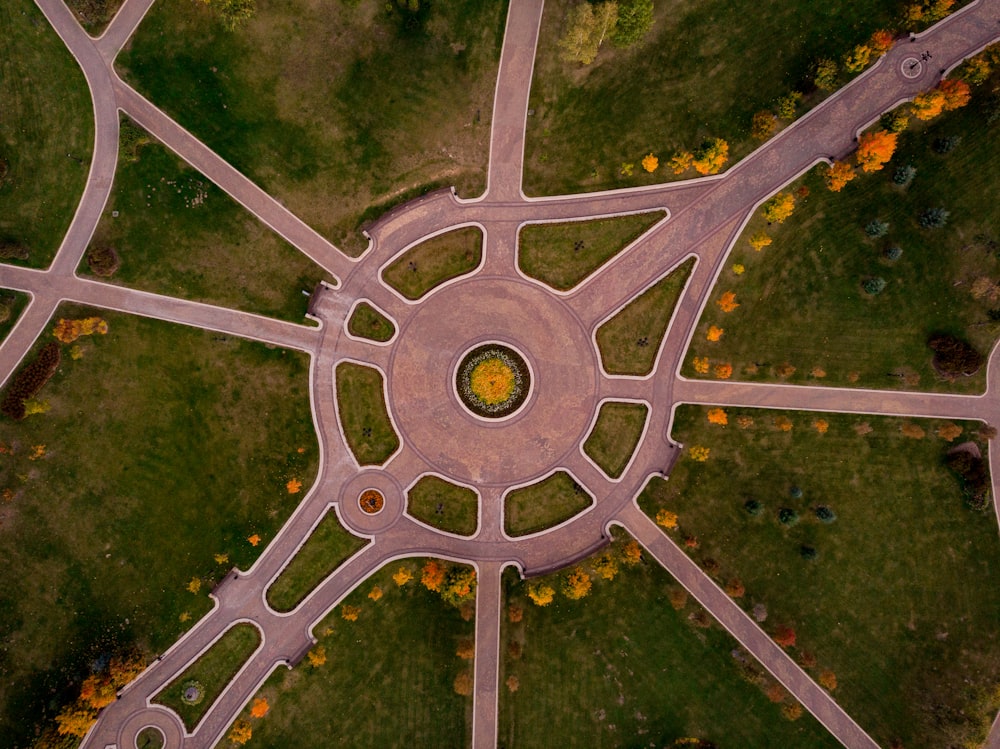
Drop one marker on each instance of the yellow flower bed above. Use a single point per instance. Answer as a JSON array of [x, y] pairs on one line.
[[492, 381]]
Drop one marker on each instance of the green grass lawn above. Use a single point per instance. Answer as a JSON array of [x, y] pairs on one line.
[[329, 546], [212, 672], [368, 322], [801, 300], [622, 667], [702, 71], [564, 254], [444, 505], [544, 504], [435, 261], [149, 471], [612, 441], [176, 233], [629, 341], [363, 415], [46, 134], [12, 304], [902, 599], [388, 676], [334, 109]]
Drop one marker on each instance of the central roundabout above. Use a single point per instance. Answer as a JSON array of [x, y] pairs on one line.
[[493, 381]]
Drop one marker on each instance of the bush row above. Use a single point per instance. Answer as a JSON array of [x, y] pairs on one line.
[[29, 380]]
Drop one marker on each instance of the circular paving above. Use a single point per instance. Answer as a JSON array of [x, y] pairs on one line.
[[558, 407]]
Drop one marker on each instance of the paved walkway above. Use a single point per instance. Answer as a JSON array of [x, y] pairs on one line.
[[555, 332]]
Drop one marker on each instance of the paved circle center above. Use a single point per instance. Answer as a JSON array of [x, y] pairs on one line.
[[559, 406]]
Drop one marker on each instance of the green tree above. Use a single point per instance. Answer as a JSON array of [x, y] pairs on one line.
[[635, 18], [587, 28]]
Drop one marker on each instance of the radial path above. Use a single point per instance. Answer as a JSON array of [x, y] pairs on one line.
[[554, 333]]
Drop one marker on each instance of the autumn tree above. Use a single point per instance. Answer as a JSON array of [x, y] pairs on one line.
[[350, 613], [635, 19], [514, 613], [881, 42], [825, 75], [587, 26], [606, 566], [666, 519], [124, 668], [75, 719], [631, 553], [913, 431], [650, 163], [700, 364], [727, 302], [459, 585], [259, 708], [723, 371], [711, 156], [735, 589], [875, 149], [97, 691], [828, 680], [785, 636], [699, 453], [577, 584], [759, 240], [463, 684], [375, 593], [402, 576], [432, 575], [783, 424], [788, 105], [513, 683], [928, 105], [317, 656], [678, 598], [956, 93], [838, 175], [714, 333], [681, 161], [821, 425], [949, 431], [778, 208], [718, 416], [763, 125], [856, 60], [541, 594], [241, 732], [466, 649]]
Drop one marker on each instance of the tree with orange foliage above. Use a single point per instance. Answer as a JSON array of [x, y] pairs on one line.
[[735, 588], [666, 519], [513, 683], [466, 649], [463, 684], [650, 163], [402, 576], [432, 575], [727, 302], [828, 680], [681, 161], [778, 208], [956, 93], [700, 364], [375, 593], [294, 486], [317, 656], [821, 425], [124, 668], [723, 371], [913, 431], [631, 553], [881, 42], [259, 708], [783, 424], [838, 175], [718, 416], [763, 125], [97, 691], [785, 636], [759, 240], [75, 719], [241, 732], [711, 157], [541, 594], [350, 613], [928, 105], [875, 149], [459, 585], [714, 333], [577, 584], [949, 431]]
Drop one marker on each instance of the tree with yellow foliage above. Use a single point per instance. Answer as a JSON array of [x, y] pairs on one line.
[[631, 553], [723, 371], [856, 60], [778, 208], [714, 333], [97, 691], [466, 649], [650, 163], [75, 719], [700, 364], [711, 157], [763, 125], [241, 732], [350, 613], [541, 594], [463, 684], [699, 453], [681, 161], [402, 576], [838, 175], [606, 566], [317, 656], [875, 149], [759, 240], [666, 519], [577, 584]]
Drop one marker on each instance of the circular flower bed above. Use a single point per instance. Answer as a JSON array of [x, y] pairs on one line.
[[493, 381], [371, 501], [192, 692]]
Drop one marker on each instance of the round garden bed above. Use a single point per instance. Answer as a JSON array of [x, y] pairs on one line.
[[371, 501], [493, 381]]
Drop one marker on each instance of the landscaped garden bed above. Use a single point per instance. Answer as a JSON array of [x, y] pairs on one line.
[[444, 505], [442, 258], [493, 381], [363, 414], [544, 504]]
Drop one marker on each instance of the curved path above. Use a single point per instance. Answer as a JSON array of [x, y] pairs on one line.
[[554, 331]]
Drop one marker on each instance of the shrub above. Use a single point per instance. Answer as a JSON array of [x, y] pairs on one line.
[[953, 356], [973, 475], [103, 261], [13, 251], [946, 144], [892, 252], [825, 514], [934, 218], [825, 75], [787, 105], [874, 286], [895, 121], [753, 507], [788, 516], [29, 380], [635, 17], [795, 492], [876, 228], [904, 175], [808, 552], [763, 125]]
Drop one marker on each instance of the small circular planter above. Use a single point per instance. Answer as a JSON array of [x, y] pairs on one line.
[[371, 501], [493, 381], [192, 692]]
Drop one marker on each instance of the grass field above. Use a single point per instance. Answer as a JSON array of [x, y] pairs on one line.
[[368, 322], [544, 504], [435, 261], [12, 304], [630, 341], [46, 134], [335, 108], [801, 300], [612, 441], [444, 505], [178, 234], [212, 672], [564, 254], [363, 415], [702, 71], [622, 667], [150, 481], [387, 680], [329, 546], [902, 598]]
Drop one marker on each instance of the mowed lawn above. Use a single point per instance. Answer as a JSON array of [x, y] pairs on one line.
[[387, 679], [339, 109], [801, 300], [902, 598], [622, 667], [163, 447], [176, 233], [702, 71], [46, 134]]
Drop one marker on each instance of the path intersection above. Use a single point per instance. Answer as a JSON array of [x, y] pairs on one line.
[[554, 331]]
